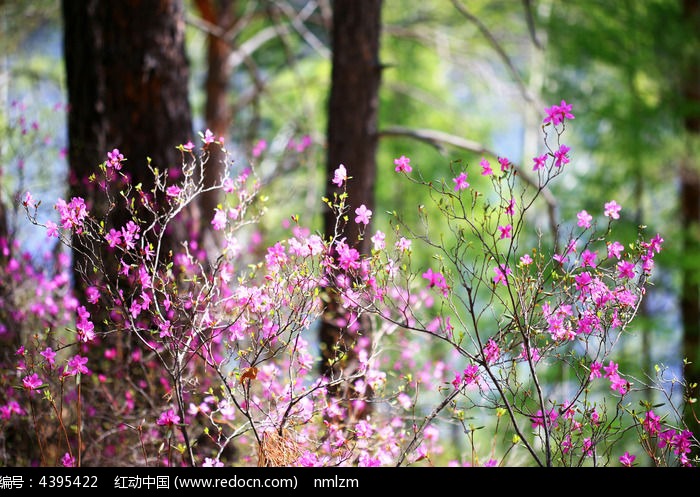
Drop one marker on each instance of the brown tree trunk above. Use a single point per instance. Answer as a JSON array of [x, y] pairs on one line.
[[218, 115], [690, 214], [352, 141], [127, 80]]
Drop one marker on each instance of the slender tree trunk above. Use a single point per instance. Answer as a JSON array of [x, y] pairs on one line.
[[352, 141], [690, 213], [218, 114]]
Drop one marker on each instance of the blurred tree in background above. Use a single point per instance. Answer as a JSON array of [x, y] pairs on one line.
[[459, 81]]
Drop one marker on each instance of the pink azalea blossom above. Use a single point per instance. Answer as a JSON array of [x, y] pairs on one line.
[[540, 162], [461, 181], [485, 167], [584, 219], [363, 215], [491, 351], [168, 418], [502, 272], [259, 148], [505, 231], [51, 229], [625, 269], [560, 156], [68, 461], [615, 249], [379, 240], [219, 221], [32, 382], [526, 260], [340, 175], [612, 210], [403, 164], [627, 459]]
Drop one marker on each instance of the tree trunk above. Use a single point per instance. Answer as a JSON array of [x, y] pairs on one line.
[[352, 141], [127, 82], [690, 214], [127, 78], [218, 114]]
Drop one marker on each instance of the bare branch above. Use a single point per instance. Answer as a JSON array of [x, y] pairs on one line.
[[530, 19]]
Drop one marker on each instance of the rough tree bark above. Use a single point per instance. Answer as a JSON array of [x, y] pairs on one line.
[[127, 82], [352, 141]]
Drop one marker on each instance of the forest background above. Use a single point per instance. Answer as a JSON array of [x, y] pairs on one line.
[[459, 82]]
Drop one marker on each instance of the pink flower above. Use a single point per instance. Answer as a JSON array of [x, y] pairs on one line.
[[526, 260], [51, 229], [208, 137], [618, 384], [584, 219], [610, 369], [114, 237], [404, 245], [259, 148], [461, 181], [378, 240], [612, 210], [505, 231], [588, 258], [655, 243], [363, 215], [502, 272], [32, 382], [485, 167], [615, 250], [436, 279], [340, 175], [491, 351], [538, 419], [188, 147], [403, 163], [505, 163], [627, 459], [49, 355], [114, 155], [404, 400], [557, 113], [77, 365], [510, 208], [92, 294], [595, 370], [212, 463], [168, 418], [652, 423], [173, 191], [560, 156], [540, 162], [534, 353], [68, 461], [219, 221], [309, 460], [625, 269]]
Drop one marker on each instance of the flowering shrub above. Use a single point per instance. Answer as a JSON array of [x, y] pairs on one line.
[[179, 357]]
